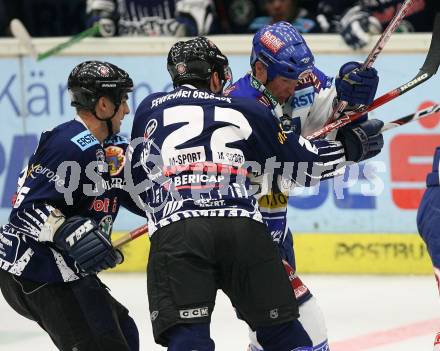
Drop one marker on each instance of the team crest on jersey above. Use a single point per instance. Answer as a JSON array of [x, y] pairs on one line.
[[115, 158], [271, 42]]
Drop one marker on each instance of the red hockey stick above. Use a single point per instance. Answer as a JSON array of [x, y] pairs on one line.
[[390, 125], [380, 44], [410, 118], [429, 68], [135, 233]]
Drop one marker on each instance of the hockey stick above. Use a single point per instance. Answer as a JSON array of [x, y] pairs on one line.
[[19, 31], [410, 118], [380, 44], [390, 125], [429, 68], [135, 233]]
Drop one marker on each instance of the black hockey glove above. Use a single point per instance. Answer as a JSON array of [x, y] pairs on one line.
[[356, 26], [361, 141], [82, 239]]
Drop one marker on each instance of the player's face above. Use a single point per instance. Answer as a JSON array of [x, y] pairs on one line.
[[282, 88], [120, 114]]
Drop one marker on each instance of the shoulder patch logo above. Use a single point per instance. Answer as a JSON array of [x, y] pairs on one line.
[[84, 140]]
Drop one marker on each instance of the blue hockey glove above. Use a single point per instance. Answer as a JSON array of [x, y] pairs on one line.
[[356, 26], [361, 141], [82, 239], [355, 86]]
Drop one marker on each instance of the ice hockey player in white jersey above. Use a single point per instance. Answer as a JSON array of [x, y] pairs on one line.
[[285, 79]]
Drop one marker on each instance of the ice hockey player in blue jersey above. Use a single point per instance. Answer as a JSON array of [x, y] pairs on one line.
[[285, 79], [196, 153], [58, 234], [428, 222]]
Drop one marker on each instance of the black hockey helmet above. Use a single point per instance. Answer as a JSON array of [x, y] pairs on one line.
[[91, 80], [195, 60]]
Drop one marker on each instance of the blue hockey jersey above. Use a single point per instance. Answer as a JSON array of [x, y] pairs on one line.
[[428, 215], [199, 153], [72, 172], [309, 108]]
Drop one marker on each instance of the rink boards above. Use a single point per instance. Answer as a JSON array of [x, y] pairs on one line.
[[382, 253], [342, 226]]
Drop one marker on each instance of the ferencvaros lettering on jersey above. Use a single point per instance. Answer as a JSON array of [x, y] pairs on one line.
[[187, 94]]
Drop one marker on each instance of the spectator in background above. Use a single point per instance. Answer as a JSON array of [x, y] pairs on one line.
[[45, 18], [357, 20], [152, 17], [4, 21], [235, 16], [286, 10]]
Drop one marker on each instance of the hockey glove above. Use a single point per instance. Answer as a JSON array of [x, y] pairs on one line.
[[355, 86], [105, 13], [361, 141], [356, 26], [82, 239], [196, 15]]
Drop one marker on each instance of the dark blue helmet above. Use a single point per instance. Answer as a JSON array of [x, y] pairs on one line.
[[282, 50]]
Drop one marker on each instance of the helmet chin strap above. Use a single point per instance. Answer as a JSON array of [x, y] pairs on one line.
[[108, 121], [277, 109]]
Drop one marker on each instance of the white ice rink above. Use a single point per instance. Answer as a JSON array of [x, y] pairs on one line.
[[378, 313]]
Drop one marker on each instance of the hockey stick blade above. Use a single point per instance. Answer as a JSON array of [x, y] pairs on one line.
[[76, 38], [432, 61], [410, 118], [135, 233], [20, 32], [378, 47], [429, 68]]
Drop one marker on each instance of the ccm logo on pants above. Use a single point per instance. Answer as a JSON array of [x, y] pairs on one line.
[[194, 313]]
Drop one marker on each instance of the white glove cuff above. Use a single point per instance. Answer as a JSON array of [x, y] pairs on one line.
[[53, 222]]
